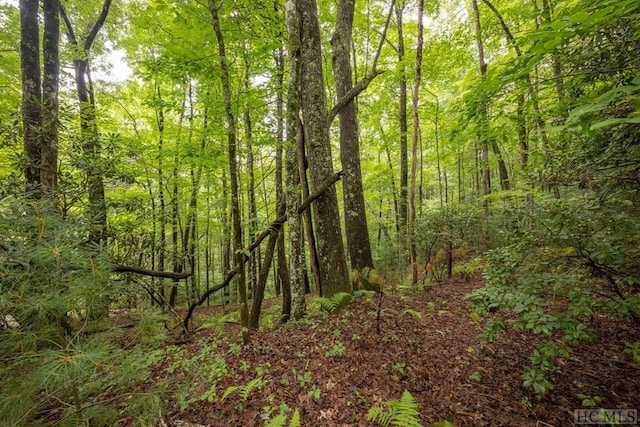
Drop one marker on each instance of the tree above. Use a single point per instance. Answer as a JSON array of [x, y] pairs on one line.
[[355, 217], [40, 96], [414, 146], [293, 300], [332, 263], [31, 92], [88, 125], [239, 256]]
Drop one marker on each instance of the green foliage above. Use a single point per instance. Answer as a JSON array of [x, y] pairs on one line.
[[633, 348], [560, 258], [412, 312], [243, 391], [404, 412], [281, 420], [336, 349], [589, 401], [336, 302]]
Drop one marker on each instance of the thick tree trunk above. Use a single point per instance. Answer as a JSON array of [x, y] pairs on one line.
[[355, 218], [282, 270], [296, 300], [233, 172], [31, 93], [51, 71], [332, 262]]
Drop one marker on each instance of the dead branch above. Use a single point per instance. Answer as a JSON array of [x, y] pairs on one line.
[[153, 273], [273, 227]]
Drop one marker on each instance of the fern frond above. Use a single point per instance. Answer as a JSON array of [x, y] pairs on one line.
[[244, 390], [414, 313], [364, 293], [295, 419], [337, 301], [404, 412], [281, 420], [380, 415]]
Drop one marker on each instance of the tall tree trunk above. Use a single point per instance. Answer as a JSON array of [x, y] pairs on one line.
[[31, 93], [51, 72], [254, 262], [293, 300], [332, 262], [402, 117], [522, 135], [162, 249], [233, 172], [306, 216], [483, 120], [414, 146], [88, 125], [355, 218], [282, 270]]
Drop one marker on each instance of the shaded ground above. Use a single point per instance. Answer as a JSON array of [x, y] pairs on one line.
[[334, 369]]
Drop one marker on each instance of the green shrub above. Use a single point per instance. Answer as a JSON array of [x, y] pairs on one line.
[[566, 260]]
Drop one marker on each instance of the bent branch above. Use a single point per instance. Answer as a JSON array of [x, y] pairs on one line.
[[274, 227]]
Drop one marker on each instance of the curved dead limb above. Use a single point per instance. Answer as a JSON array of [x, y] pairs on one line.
[[275, 227], [153, 273]]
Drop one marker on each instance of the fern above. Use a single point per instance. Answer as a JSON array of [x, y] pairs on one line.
[[281, 420], [413, 313], [244, 390], [360, 293], [336, 302], [401, 413]]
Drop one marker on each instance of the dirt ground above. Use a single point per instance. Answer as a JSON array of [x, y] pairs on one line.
[[333, 369]]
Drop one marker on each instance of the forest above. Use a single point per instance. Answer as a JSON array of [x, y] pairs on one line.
[[319, 213]]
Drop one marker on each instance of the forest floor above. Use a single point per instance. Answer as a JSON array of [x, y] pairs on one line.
[[334, 368]]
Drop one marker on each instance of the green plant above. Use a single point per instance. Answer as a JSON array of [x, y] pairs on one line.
[[336, 349], [404, 412], [633, 348], [314, 392], [414, 313], [281, 420], [303, 379], [476, 376], [244, 390], [544, 281], [336, 302], [400, 367], [589, 401]]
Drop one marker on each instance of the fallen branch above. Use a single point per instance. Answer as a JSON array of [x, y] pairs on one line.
[[153, 273], [273, 227]]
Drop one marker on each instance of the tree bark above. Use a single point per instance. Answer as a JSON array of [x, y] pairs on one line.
[[332, 262], [402, 118], [282, 270], [233, 173], [295, 299], [51, 72], [355, 218], [31, 94], [483, 120], [414, 146], [88, 126]]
